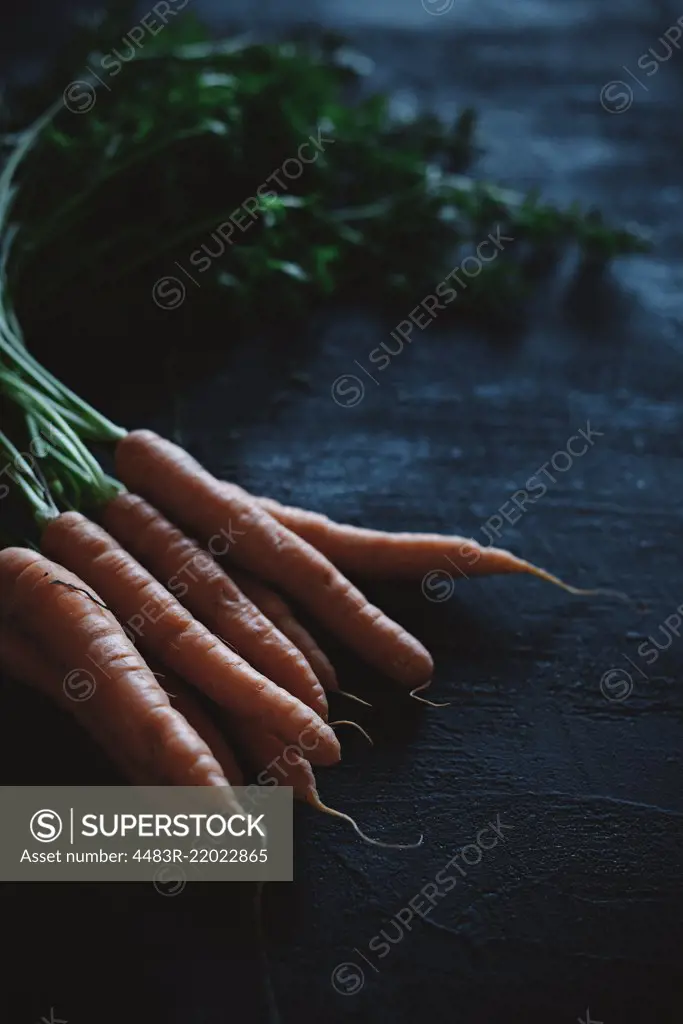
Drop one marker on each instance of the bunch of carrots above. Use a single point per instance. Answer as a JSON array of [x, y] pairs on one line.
[[150, 613], [138, 597]]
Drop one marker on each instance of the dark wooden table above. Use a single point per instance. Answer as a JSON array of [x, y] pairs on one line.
[[557, 728]]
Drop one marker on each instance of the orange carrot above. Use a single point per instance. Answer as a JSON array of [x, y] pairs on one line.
[[90, 667], [286, 766], [281, 615], [375, 553], [276, 762], [21, 659], [176, 483], [185, 700], [195, 578], [174, 636]]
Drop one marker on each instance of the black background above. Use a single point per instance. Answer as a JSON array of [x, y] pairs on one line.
[[580, 908]]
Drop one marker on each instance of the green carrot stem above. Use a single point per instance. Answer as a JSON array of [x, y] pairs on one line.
[[28, 482], [46, 412], [43, 511], [86, 418], [37, 438], [91, 475], [26, 141], [73, 467], [97, 426], [15, 455]]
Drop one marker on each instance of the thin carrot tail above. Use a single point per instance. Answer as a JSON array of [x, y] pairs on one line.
[[314, 800], [506, 562], [549, 577], [347, 721], [352, 696], [423, 700]]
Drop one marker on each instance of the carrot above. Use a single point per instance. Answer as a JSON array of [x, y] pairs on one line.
[[175, 482], [86, 649], [185, 701], [400, 555], [286, 766], [281, 615], [173, 635], [21, 659], [208, 592], [275, 761]]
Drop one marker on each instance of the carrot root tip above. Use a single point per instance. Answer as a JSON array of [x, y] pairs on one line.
[[316, 802], [347, 721], [549, 577], [423, 700], [352, 696]]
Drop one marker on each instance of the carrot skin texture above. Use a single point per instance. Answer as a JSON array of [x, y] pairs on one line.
[[171, 479], [128, 712], [281, 615], [184, 701], [211, 595], [185, 704], [175, 637], [285, 765], [21, 659], [406, 556]]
